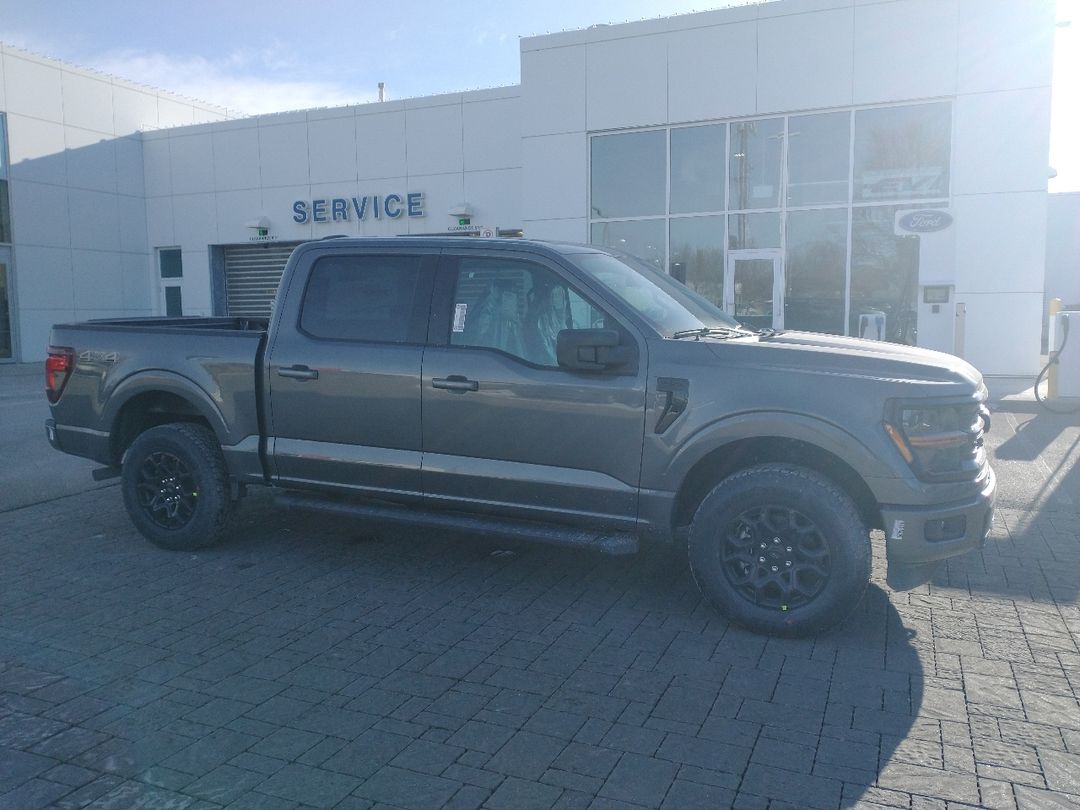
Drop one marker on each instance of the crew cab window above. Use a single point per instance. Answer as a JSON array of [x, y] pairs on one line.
[[517, 307], [366, 298]]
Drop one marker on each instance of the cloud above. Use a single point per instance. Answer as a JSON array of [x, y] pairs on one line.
[[248, 81]]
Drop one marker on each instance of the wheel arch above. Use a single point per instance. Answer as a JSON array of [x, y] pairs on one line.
[[741, 453], [158, 398]]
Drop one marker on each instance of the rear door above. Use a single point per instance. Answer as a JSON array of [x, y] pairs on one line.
[[505, 429], [343, 373]]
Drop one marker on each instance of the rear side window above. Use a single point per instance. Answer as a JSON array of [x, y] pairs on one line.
[[366, 298]]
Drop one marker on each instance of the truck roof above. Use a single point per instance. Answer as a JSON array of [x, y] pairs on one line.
[[459, 243]]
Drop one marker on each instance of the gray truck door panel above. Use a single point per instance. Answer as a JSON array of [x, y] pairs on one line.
[[344, 375], [505, 429]]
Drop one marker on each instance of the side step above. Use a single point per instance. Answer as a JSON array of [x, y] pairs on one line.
[[615, 543]]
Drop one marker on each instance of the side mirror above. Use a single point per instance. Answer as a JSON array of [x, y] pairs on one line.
[[594, 350]]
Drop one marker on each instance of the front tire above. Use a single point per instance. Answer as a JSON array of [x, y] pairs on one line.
[[780, 550], [176, 486]]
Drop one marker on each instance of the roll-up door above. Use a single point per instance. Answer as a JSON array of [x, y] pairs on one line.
[[252, 273]]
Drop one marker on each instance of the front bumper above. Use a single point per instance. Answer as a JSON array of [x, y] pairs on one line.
[[924, 534]]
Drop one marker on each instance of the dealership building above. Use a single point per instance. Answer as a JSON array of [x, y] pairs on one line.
[[847, 166]]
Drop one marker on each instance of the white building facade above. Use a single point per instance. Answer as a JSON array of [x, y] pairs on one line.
[[849, 166]]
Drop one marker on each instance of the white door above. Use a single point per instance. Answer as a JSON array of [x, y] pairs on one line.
[[754, 288]]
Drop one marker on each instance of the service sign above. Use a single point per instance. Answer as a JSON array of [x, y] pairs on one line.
[[358, 209], [925, 221]]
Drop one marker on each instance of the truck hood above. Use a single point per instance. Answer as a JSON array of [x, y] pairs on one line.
[[810, 352]]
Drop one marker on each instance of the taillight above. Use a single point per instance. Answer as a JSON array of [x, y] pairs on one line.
[[58, 369]]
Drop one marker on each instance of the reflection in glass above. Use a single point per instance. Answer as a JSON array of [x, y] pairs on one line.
[[3, 145], [754, 163], [642, 238], [884, 273], [697, 255], [902, 153], [5, 317], [815, 269], [697, 169], [753, 286], [818, 157], [749, 231], [629, 174], [5, 213]]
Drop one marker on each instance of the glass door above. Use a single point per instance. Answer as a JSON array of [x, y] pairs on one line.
[[7, 342], [754, 288]]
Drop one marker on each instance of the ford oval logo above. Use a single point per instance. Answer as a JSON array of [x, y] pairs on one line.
[[925, 221]]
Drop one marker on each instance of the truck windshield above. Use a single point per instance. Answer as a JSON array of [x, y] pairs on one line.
[[669, 306]]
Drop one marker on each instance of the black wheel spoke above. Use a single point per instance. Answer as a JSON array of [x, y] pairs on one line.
[[775, 557], [166, 490]]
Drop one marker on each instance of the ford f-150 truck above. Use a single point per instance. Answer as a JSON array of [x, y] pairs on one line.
[[552, 392]]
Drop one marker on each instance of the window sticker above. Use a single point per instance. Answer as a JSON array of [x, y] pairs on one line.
[[459, 316]]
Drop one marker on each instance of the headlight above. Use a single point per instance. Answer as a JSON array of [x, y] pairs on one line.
[[941, 442]]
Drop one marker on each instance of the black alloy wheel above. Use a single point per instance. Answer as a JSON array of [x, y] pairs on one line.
[[776, 557], [780, 549], [176, 486], [167, 490]]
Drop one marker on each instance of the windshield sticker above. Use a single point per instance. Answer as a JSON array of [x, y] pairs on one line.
[[459, 317]]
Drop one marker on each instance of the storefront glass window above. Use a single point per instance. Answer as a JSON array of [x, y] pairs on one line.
[[818, 158], [753, 231], [815, 269], [643, 238], [697, 255], [629, 174], [884, 274], [5, 205], [697, 169], [754, 163], [902, 153]]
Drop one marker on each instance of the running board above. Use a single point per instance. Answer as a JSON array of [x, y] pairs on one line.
[[614, 543]]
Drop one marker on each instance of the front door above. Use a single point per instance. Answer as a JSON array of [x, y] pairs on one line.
[[754, 288], [506, 430], [7, 339], [343, 374]]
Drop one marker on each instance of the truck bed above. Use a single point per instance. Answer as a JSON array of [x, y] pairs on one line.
[[212, 363]]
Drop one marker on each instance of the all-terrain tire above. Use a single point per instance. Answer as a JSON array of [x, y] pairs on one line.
[[176, 486], [780, 550]]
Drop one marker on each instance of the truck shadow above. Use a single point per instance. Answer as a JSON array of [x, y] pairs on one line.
[[625, 648]]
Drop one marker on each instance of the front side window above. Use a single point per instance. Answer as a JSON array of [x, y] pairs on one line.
[[368, 298], [519, 308]]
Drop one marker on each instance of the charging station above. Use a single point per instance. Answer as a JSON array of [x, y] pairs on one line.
[[1066, 343]]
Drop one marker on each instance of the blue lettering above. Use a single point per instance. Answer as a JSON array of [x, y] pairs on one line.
[[318, 210], [360, 206], [375, 207], [300, 213], [339, 209], [415, 203], [396, 200]]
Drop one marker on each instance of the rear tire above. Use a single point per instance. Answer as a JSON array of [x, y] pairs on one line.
[[176, 486], [780, 550]]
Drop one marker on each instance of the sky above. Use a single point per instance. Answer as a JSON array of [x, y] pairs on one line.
[[272, 55]]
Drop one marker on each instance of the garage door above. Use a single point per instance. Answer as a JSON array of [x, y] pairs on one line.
[[252, 273]]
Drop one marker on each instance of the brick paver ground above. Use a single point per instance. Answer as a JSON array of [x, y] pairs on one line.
[[304, 663]]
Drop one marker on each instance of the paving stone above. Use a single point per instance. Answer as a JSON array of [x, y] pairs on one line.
[[526, 755], [638, 779], [224, 784], [517, 794], [311, 786], [417, 791]]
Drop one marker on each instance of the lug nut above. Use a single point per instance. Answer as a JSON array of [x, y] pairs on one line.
[[775, 569], [761, 559]]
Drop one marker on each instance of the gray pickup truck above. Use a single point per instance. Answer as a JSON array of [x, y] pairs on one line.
[[552, 392]]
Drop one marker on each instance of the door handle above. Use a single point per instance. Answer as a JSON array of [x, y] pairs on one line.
[[298, 373], [455, 382]]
